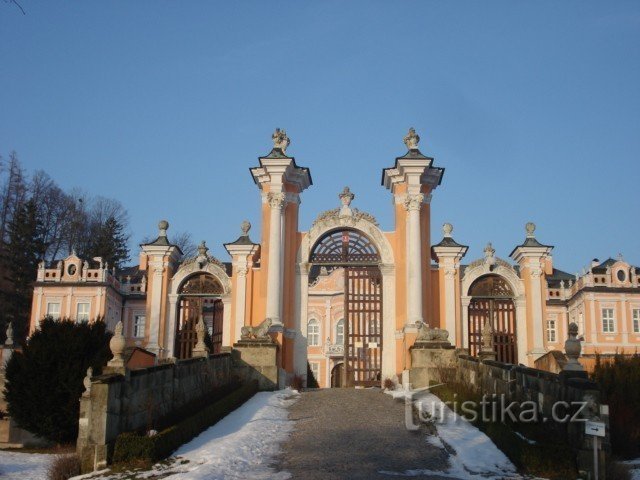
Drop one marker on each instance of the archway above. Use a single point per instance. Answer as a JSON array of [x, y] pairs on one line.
[[337, 375], [492, 301], [354, 252], [199, 294]]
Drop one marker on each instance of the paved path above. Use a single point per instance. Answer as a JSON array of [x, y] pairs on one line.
[[351, 434]]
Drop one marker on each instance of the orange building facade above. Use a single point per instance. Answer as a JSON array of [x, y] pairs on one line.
[[346, 299]]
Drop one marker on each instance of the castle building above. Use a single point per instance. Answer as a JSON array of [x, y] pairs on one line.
[[345, 299]]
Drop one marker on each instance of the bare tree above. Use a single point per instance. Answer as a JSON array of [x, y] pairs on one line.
[[182, 239]]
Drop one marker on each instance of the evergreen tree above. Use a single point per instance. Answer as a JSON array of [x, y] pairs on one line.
[[109, 241], [23, 251], [44, 381]]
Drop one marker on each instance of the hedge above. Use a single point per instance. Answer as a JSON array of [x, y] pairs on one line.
[[132, 446]]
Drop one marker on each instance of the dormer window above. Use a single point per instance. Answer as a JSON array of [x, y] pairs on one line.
[[72, 269], [622, 275]]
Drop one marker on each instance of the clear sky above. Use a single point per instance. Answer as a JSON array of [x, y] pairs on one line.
[[532, 107]]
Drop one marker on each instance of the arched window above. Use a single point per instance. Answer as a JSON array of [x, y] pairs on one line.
[[340, 332], [313, 332]]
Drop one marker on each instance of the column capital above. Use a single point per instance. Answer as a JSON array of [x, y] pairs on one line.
[[413, 202], [276, 199]]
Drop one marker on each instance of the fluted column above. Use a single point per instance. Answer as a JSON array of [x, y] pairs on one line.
[[413, 203], [274, 270]]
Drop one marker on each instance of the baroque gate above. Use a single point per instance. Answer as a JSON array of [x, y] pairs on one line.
[[353, 251]]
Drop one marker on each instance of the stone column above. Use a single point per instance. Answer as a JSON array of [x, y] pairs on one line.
[[413, 203], [157, 268], [274, 292], [240, 297]]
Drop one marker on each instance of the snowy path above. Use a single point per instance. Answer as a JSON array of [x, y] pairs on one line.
[[21, 466], [242, 445]]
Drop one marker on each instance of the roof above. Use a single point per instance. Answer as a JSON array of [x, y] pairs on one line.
[[602, 268], [557, 276], [449, 242], [242, 240]]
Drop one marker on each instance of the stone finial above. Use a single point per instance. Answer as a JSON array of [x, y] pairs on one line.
[[200, 349], [202, 248], [87, 382], [245, 226], [620, 257], [280, 140], [572, 348], [9, 341], [163, 226], [412, 139], [562, 285], [530, 227], [447, 229], [117, 344]]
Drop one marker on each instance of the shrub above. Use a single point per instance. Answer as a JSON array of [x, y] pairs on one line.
[[619, 382], [44, 381], [134, 447], [64, 467], [312, 381]]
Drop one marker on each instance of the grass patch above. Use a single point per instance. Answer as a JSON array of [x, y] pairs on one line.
[[544, 450]]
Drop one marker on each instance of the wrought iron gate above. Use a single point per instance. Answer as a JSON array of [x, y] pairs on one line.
[[363, 328], [492, 299]]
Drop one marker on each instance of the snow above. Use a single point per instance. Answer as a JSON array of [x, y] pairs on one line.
[[242, 445], [20, 466], [472, 455], [634, 466]]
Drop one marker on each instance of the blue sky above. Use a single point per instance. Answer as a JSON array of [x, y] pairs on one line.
[[532, 107]]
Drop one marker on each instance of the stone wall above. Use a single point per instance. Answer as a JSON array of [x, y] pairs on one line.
[[117, 403], [523, 384]]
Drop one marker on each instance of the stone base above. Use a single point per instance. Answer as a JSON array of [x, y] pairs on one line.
[[257, 360], [432, 362]]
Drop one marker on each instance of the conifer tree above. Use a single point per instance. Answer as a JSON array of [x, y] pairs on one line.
[[23, 251], [109, 241]]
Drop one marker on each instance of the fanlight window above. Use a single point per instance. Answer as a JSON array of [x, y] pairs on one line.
[[201, 284], [344, 246], [491, 286]]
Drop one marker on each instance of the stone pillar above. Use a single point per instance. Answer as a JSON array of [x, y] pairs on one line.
[[274, 269], [531, 256], [413, 203], [449, 253]]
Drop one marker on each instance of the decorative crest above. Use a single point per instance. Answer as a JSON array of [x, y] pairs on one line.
[[280, 140], [346, 197], [447, 229], [412, 139], [530, 227], [245, 227]]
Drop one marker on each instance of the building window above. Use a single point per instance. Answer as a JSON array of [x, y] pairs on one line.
[[313, 333], [551, 330], [138, 325], [53, 310], [622, 276], [315, 369], [636, 320], [608, 322], [82, 312], [340, 332]]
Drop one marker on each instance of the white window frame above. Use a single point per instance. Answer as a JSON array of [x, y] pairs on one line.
[[635, 315], [552, 330], [83, 318], [608, 322], [313, 337], [340, 332], [57, 315], [137, 326], [315, 370]]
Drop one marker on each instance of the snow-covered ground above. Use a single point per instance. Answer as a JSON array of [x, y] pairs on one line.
[[242, 445], [22, 466], [635, 468], [472, 455]]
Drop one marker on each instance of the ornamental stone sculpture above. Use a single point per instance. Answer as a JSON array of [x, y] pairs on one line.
[[412, 139], [490, 255], [245, 227], [280, 140], [117, 345], [200, 349], [261, 332], [9, 341], [435, 336], [87, 382], [346, 197], [486, 350], [447, 229], [572, 348], [530, 227]]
